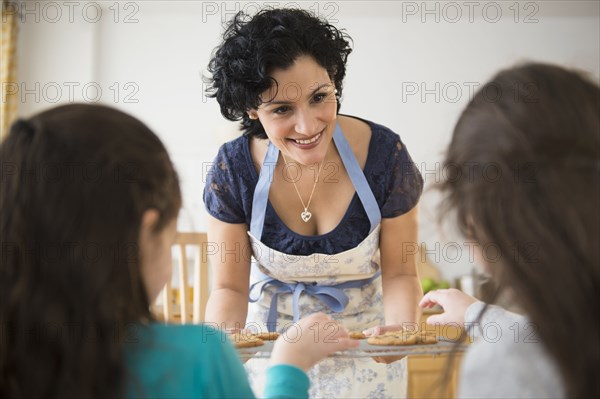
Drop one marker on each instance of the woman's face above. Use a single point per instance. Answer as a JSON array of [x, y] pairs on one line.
[[298, 114]]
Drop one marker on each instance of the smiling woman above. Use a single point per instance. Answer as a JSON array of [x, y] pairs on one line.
[[323, 202]]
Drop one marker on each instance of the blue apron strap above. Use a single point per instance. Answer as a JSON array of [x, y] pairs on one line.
[[358, 178], [261, 191]]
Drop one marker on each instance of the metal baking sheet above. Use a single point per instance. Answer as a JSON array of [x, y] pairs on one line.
[[366, 350]]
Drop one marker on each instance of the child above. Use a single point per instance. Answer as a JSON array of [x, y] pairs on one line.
[[88, 207], [537, 128]]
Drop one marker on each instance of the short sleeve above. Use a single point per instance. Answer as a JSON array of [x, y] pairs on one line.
[[222, 193], [404, 184]]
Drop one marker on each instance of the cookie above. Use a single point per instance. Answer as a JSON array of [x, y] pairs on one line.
[[241, 340], [357, 335], [267, 336], [426, 338], [395, 333], [397, 340]]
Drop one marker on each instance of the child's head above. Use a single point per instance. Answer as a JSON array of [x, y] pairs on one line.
[[88, 203], [525, 163]]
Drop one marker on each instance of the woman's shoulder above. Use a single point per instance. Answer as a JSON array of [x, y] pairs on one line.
[[378, 135], [232, 162], [233, 149], [384, 137]]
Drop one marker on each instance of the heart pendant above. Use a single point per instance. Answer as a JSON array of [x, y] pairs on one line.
[[306, 215]]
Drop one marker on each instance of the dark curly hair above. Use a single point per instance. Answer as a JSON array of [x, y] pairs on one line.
[[253, 47]]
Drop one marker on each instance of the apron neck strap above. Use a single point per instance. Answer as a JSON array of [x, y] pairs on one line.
[[359, 181], [261, 191]]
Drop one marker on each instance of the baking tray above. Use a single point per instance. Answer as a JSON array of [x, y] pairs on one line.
[[367, 350]]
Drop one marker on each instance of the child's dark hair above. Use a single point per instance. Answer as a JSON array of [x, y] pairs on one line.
[[75, 182], [272, 39], [526, 157]]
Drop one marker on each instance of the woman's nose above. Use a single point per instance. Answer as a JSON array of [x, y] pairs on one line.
[[306, 122]]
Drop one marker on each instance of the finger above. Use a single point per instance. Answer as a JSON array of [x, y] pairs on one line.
[[343, 331], [437, 319], [339, 332], [432, 297], [373, 331], [378, 330], [342, 345], [390, 359], [392, 327]]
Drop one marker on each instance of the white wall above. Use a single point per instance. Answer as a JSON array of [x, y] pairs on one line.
[[152, 53]]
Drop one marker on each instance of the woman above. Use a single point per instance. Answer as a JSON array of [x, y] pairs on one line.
[[88, 211], [541, 132], [319, 199]]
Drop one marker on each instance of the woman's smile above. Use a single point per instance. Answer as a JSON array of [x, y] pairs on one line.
[[309, 143]]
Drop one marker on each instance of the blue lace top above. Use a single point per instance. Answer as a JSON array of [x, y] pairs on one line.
[[392, 175]]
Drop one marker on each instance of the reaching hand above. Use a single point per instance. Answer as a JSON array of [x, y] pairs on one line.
[[454, 302], [311, 340]]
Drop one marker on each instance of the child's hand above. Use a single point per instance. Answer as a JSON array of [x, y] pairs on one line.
[[454, 302], [308, 342]]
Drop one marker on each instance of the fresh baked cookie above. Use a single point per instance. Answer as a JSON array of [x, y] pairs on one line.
[[357, 335], [267, 336], [400, 339], [426, 338], [241, 340], [395, 333]]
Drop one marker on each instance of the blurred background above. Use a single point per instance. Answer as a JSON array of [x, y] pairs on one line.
[[414, 67]]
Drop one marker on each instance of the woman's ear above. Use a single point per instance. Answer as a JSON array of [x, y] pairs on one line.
[[252, 115]]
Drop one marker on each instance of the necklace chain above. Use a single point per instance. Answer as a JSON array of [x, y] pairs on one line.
[[306, 215]]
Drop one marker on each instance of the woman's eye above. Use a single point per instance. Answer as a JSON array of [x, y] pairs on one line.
[[319, 97], [281, 110]]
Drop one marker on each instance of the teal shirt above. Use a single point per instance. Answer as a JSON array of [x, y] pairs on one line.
[[196, 361]]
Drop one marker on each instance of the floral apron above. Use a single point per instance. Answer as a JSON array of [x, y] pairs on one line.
[[347, 286]]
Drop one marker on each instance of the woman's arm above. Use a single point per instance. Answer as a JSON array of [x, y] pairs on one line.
[[401, 287], [229, 255]]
